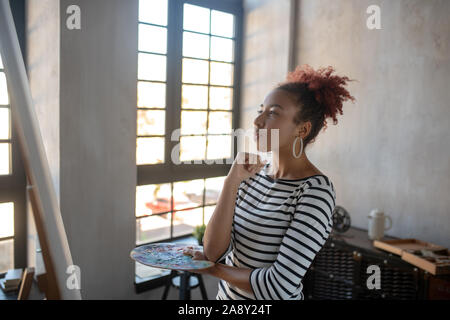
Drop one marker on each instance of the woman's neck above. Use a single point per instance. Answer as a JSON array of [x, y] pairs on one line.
[[285, 166]]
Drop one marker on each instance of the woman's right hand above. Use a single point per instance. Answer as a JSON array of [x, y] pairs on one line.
[[245, 165]]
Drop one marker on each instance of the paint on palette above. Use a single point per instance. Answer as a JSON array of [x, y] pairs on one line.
[[169, 256]]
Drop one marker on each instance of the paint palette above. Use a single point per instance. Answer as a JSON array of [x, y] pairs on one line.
[[169, 256]]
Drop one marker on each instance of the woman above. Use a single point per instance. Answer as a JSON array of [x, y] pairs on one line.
[[269, 228]]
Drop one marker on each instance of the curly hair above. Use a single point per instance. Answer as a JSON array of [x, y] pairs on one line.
[[319, 94]]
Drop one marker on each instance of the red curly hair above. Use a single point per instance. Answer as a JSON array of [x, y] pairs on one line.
[[320, 95]]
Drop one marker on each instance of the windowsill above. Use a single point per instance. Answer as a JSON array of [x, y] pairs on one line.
[[160, 276]]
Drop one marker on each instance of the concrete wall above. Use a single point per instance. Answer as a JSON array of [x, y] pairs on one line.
[[98, 143], [84, 87], [390, 150]]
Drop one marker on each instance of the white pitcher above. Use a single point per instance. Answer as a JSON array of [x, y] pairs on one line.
[[377, 224]]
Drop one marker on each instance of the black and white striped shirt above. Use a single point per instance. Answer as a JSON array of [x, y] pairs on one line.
[[278, 228]]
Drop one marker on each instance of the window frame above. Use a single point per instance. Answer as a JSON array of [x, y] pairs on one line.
[[168, 172], [13, 186]]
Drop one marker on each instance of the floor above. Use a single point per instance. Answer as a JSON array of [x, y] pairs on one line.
[[211, 285]]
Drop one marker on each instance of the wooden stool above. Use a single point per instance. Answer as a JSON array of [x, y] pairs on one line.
[[185, 282]]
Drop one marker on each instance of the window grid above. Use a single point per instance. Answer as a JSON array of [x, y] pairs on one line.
[[172, 211], [13, 185], [176, 58], [208, 110], [8, 140], [7, 239], [144, 109]]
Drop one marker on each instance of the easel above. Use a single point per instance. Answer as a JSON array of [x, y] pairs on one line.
[[48, 280], [25, 284], [46, 212]]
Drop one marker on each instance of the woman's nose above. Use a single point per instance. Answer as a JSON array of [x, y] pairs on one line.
[[259, 122]]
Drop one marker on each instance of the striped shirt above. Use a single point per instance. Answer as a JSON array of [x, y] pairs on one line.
[[278, 228]]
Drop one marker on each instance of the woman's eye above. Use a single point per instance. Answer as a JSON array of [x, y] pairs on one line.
[[259, 111]]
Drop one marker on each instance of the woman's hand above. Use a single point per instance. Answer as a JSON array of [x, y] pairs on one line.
[[198, 255], [245, 165]]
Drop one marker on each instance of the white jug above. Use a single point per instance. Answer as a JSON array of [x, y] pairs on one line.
[[377, 224]]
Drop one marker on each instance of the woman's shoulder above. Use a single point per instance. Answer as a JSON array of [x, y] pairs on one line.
[[319, 179], [320, 185]]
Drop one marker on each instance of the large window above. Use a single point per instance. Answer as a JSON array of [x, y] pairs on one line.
[[12, 189], [187, 84]]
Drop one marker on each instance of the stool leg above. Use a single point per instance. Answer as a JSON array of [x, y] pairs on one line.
[[168, 285], [185, 292], [202, 287]]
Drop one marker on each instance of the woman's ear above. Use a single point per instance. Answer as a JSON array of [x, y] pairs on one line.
[[304, 129]]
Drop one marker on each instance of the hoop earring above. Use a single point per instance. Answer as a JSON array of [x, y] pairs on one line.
[[301, 148]]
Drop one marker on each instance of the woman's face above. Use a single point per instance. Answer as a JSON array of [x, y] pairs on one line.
[[277, 112]]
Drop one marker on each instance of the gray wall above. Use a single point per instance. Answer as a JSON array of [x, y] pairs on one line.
[[98, 143], [84, 86], [390, 150]]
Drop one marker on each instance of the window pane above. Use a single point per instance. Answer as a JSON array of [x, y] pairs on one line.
[[6, 255], [213, 187], [152, 39], [4, 99], [195, 45], [151, 67], [220, 122], [194, 97], [151, 95], [193, 122], [5, 167], [209, 210], [220, 98], [152, 199], [196, 18], [151, 122], [153, 11], [192, 148], [219, 147], [222, 24], [150, 150], [4, 123], [195, 71], [222, 49], [221, 73], [184, 222], [154, 228], [6, 219], [188, 194]]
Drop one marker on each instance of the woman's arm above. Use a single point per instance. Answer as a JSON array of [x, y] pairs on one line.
[[217, 235], [238, 277], [218, 231]]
